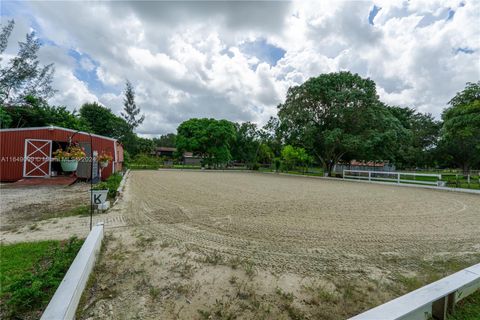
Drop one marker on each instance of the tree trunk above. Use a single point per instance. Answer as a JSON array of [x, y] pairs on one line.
[[330, 166]]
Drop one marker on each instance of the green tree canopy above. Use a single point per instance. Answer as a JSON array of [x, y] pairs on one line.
[[246, 144], [23, 75], [36, 112], [265, 153], [166, 140], [101, 120], [209, 139], [470, 94], [293, 157], [338, 116], [144, 145], [418, 148], [460, 137]]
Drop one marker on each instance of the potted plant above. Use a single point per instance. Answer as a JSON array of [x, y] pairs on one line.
[[104, 158], [70, 157], [100, 193]]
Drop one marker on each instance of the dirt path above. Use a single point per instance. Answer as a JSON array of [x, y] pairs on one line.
[[266, 246], [38, 213]]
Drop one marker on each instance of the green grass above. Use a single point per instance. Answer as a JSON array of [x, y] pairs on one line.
[[181, 166], [468, 308], [30, 273], [312, 171], [81, 210], [17, 259], [135, 166]]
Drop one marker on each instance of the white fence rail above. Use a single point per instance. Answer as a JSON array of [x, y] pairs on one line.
[[397, 177], [65, 300], [434, 300]]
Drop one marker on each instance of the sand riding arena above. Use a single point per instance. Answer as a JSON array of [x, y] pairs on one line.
[[221, 245]]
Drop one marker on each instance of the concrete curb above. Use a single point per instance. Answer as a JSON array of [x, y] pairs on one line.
[[122, 183], [407, 185], [121, 187], [65, 300]]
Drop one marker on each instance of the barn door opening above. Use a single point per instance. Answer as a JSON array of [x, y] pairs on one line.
[[84, 166], [36, 161]]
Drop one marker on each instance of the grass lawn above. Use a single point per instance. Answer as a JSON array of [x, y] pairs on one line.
[[30, 273], [468, 308]]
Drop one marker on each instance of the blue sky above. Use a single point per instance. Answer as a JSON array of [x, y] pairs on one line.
[[236, 60], [264, 51]]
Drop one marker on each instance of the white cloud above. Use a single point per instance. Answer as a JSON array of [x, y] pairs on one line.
[[71, 91], [184, 58], [87, 64]]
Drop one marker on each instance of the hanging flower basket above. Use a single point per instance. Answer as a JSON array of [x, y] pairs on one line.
[[69, 158], [69, 165], [104, 158]]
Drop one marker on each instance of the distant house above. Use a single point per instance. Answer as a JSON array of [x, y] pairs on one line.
[[169, 153], [364, 165], [166, 152], [191, 160]]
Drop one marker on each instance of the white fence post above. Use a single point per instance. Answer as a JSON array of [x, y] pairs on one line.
[[369, 176], [398, 178]]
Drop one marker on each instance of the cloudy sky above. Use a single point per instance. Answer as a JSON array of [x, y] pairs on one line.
[[236, 60]]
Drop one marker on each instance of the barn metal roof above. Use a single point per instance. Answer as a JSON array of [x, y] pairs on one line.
[[58, 128]]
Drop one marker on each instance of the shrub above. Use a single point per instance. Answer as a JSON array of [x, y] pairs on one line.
[[126, 158], [278, 164], [112, 183], [144, 159]]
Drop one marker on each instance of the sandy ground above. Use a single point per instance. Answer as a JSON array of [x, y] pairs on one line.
[[36, 213], [225, 245], [301, 224]]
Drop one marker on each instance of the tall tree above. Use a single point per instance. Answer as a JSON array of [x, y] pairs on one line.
[[101, 120], [144, 145], [271, 136], [338, 116], [23, 75], [461, 128], [246, 145], [131, 111], [165, 140], [37, 113], [418, 148], [209, 139]]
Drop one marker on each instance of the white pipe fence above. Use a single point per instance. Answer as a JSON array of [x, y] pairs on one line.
[[397, 177], [435, 300]]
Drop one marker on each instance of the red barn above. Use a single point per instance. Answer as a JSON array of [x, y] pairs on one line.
[[28, 152]]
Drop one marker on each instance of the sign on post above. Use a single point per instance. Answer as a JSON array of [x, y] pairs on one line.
[[99, 196]]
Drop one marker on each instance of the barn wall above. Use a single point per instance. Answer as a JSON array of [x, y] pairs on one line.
[[12, 144]]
